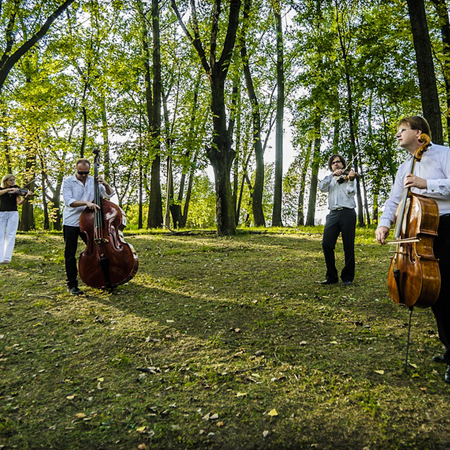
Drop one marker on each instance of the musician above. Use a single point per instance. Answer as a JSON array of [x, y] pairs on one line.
[[341, 219], [10, 197], [78, 194], [431, 179]]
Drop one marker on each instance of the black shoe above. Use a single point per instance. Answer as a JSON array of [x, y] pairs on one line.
[[347, 283], [75, 290], [447, 375], [438, 359], [329, 282]]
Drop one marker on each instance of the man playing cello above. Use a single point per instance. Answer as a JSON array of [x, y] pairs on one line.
[[431, 178], [78, 193]]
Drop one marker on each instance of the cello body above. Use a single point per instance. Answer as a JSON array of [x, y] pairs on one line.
[[414, 277], [107, 260]]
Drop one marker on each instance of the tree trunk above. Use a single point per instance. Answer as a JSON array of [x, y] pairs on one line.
[[425, 68], [301, 194], [155, 216], [444, 23], [27, 222], [315, 172], [278, 185], [258, 187]]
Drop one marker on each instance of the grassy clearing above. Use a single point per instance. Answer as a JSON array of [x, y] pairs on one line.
[[217, 343]]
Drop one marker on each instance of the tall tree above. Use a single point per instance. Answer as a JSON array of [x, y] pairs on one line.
[[278, 188], [444, 24], [258, 187], [425, 68], [220, 153], [155, 215]]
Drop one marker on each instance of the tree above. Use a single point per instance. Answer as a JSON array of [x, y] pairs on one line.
[[278, 190], [10, 57], [220, 152], [258, 187], [425, 68]]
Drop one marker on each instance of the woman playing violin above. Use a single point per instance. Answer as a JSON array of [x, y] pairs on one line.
[[341, 219], [10, 197], [431, 178]]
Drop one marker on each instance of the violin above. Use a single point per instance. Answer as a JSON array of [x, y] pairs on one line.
[[414, 278], [344, 176], [23, 192]]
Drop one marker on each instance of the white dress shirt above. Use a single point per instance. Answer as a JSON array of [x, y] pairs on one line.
[[340, 195], [435, 168], [74, 190]]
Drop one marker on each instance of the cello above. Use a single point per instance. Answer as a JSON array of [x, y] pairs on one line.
[[414, 278], [107, 260]]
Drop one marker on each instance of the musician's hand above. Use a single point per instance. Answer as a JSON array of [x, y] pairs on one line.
[[338, 172], [92, 206], [415, 181], [102, 181], [351, 175], [381, 233]]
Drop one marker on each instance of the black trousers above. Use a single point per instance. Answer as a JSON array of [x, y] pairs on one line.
[[340, 221], [441, 308], [71, 242]]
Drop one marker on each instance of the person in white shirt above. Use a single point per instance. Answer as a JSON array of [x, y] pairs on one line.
[[431, 178], [341, 219], [78, 194]]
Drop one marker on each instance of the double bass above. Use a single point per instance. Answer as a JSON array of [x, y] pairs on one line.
[[414, 278], [107, 260]]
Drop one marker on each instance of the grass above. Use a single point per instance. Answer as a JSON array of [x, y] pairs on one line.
[[217, 343]]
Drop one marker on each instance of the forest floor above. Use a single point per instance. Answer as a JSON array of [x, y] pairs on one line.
[[216, 343]]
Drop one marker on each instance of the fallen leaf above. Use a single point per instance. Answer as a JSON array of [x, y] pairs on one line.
[[141, 429], [80, 415], [241, 394], [142, 447], [71, 397], [265, 433], [381, 372], [219, 424], [272, 413]]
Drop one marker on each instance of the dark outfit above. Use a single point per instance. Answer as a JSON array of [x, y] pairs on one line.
[[8, 202], [71, 243], [441, 308], [341, 219]]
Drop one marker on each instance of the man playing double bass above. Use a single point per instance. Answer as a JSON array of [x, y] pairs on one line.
[[78, 194], [431, 178]]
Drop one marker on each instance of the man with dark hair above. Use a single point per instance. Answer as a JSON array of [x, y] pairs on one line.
[[341, 219], [431, 178], [78, 193]]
